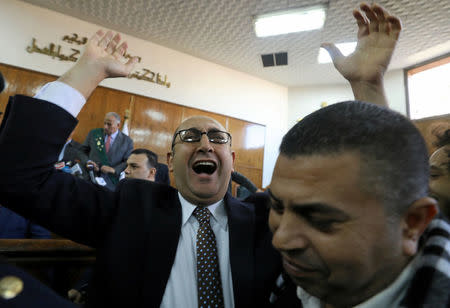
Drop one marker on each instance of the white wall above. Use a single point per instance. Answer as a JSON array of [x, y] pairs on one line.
[[195, 82], [304, 100]]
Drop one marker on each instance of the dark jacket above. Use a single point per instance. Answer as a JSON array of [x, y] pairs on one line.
[[135, 229]]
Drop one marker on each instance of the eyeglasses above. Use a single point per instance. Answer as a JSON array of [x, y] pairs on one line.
[[195, 135]]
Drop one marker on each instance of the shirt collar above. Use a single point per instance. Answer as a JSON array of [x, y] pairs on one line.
[[217, 211], [389, 297], [113, 135]]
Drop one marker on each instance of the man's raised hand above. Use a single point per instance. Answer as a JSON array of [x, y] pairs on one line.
[[102, 58], [378, 33]]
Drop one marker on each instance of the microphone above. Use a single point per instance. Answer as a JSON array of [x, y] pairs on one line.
[[90, 169], [76, 170]]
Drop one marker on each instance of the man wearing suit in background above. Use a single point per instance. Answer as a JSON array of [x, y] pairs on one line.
[[108, 149]]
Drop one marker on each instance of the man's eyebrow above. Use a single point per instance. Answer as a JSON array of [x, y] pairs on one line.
[[309, 209]]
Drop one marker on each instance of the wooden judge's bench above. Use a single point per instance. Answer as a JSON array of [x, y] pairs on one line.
[[59, 263]]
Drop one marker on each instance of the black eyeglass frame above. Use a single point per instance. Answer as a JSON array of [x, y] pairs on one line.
[[200, 137]]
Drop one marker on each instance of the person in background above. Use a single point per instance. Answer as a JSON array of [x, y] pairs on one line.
[[440, 172], [141, 164], [108, 150]]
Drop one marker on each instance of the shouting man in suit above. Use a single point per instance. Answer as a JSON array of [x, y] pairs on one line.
[[108, 149]]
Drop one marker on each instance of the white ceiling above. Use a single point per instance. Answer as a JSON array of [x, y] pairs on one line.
[[221, 31]]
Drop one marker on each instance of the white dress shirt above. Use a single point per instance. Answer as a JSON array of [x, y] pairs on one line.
[[181, 288]]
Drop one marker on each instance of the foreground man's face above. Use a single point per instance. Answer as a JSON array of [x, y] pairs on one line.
[[335, 240], [202, 169]]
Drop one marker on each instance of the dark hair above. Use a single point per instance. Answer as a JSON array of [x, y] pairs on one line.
[[152, 158], [392, 151], [442, 139]]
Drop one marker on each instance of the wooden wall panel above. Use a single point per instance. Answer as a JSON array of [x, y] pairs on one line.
[[20, 81], [152, 122], [248, 142]]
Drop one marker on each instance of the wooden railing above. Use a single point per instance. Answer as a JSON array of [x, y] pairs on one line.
[[58, 263]]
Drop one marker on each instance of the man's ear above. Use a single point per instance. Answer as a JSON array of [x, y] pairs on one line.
[[415, 221], [170, 160], [152, 174]]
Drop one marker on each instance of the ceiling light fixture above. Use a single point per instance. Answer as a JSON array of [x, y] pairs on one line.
[[345, 48], [305, 19]]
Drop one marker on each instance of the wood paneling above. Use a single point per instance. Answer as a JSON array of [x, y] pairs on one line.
[[20, 81], [152, 122]]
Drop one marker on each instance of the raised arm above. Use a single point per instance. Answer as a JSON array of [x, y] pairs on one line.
[[103, 58], [378, 33]]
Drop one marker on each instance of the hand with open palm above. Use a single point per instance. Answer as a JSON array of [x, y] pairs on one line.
[[378, 33], [102, 58]]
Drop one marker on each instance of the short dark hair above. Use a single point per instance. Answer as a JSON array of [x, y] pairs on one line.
[[392, 151], [443, 140], [152, 158]]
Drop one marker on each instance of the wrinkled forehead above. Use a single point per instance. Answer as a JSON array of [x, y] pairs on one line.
[[110, 119], [200, 123]]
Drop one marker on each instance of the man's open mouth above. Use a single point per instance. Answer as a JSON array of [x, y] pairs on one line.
[[207, 167]]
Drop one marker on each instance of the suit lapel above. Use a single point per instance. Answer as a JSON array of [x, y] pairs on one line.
[[241, 220], [164, 220]]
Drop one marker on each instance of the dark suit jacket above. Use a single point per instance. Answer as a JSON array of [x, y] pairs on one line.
[[162, 174], [135, 229], [74, 151], [117, 154]]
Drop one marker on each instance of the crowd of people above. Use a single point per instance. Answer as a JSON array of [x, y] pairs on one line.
[[346, 221]]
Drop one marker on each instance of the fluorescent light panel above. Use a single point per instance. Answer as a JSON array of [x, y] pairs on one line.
[[345, 48], [290, 21]]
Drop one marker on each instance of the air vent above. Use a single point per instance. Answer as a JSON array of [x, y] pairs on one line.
[[268, 60], [275, 59], [281, 58]]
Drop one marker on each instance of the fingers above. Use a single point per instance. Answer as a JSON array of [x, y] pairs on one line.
[[363, 24], [376, 19], [333, 51], [105, 40], [112, 45], [96, 37], [371, 16], [395, 25], [120, 51]]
